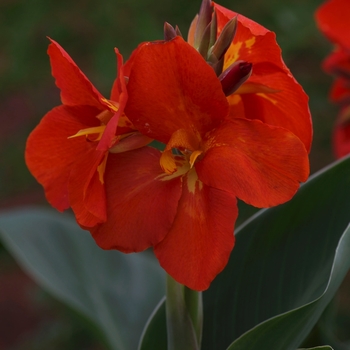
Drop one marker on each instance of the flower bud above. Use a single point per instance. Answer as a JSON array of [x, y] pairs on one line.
[[234, 76], [218, 50], [204, 18], [169, 32]]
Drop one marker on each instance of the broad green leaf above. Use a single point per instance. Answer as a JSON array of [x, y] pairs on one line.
[[117, 292], [282, 261], [288, 330]]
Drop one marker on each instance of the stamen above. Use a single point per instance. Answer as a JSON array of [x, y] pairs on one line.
[[114, 106], [194, 156], [167, 162], [88, 131]]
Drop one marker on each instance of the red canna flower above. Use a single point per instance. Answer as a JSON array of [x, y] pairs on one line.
[[333, 20], [68, 151], [210, 158], [226, 133]]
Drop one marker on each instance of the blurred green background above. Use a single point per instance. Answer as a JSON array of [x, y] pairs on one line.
[[89, 31]]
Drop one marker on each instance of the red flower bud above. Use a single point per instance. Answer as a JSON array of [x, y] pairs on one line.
[[234, 76]]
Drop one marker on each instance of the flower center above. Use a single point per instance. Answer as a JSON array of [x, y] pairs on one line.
[[188, 142]]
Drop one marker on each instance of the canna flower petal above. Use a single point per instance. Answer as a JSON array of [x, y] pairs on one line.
[[287, 108], [187, 91], [341, 140], [341, 133], [252, 42], [261, 164], [338, 63], [271, 94], [86, 188], [201, 238], [141, 201], [107, 138], [332, 18], [340, 91], [50, 155], [81, 134], [76, 89]]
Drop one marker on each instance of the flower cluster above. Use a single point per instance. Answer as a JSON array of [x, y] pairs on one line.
[[233, 123], [333, 20]]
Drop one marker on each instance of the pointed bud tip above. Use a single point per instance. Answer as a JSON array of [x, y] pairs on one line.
[[225, 39], [169, 32]]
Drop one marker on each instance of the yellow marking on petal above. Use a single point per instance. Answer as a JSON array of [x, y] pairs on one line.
[[101, 169], [234, 99], [182, 168], [194, 156], [167, 162], [88, 131], [254, 88], [114, 106], [124, 122], [192, 181], [232, 54], [250, 42], [267, 98]]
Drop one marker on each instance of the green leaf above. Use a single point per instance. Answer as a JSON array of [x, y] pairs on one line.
[[115, 291], [282, 261], [289, 329]]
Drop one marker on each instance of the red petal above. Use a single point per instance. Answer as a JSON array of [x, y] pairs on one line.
[[119, 94], [86, 191], [76, 89], [141, 201], [171, 87], [258, 163], [201, 238], [333, 20], [341, 134], [287, 108], [340, 91], [223, 12], [286, 104], [252, 43], [50, 155], [338, 62], [341, 140]]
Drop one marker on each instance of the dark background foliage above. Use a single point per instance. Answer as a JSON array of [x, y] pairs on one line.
[[89, 31]]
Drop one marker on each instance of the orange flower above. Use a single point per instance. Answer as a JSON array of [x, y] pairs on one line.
[[210, 159], [68, 151], [243, 132]]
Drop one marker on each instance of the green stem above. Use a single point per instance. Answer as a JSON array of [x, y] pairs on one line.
[[184, 313]]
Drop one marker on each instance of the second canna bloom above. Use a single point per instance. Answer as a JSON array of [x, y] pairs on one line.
[[332, 18]]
